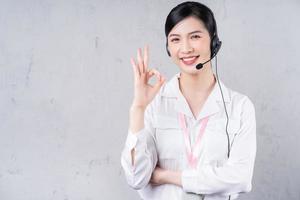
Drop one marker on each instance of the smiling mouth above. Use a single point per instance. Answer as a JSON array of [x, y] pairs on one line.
[[189, 60]]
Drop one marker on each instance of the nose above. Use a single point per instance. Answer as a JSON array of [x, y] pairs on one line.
[[186, 47]]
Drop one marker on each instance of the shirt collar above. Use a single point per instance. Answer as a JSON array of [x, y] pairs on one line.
[[171, 90]]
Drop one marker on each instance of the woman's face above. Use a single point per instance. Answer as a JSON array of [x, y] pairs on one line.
[[189, 44]]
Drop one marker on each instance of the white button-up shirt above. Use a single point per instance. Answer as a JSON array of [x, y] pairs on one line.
[[161, 142]]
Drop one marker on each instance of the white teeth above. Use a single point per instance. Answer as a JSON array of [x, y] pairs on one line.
[[188, 59]]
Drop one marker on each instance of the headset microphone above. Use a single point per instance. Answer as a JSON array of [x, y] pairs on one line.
[[200, 65], [215, 50]]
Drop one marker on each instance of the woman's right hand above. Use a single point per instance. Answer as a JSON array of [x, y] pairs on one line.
[[143, 91]]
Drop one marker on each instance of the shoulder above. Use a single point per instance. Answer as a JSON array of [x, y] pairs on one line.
[[241, 101]]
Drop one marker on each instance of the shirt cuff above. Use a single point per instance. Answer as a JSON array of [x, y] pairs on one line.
[[132, 139]]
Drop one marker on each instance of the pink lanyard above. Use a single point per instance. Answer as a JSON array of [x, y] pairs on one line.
[[190, 151]]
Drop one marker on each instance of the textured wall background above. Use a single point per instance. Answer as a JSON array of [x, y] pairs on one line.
[[66, 86]]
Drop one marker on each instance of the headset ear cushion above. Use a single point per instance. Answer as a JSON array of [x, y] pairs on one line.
[[215, 45]]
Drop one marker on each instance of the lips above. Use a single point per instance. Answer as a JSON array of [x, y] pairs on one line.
[[189, 60]]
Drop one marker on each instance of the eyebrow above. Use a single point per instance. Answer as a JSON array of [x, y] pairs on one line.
[[188, 33]]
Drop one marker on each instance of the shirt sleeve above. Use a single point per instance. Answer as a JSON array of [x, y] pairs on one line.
[[235, 175], [143, 143]]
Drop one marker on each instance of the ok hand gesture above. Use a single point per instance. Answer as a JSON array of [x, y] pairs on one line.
[[143, 91]]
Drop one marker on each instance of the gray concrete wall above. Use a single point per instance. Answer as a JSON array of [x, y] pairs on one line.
[[66, 86]]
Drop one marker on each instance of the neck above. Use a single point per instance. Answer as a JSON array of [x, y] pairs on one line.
[[198, 84]]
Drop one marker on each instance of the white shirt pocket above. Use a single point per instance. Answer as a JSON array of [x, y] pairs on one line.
[[169, 141]]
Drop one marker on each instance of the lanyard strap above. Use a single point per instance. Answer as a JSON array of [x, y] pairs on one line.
[[190, 150]]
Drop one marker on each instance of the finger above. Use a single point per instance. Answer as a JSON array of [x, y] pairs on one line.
[[152, 180], [153, 72], [150, 73], [135, 68], [160, 79], [147, 77], [140, 61], [146, 53], [154, 183]]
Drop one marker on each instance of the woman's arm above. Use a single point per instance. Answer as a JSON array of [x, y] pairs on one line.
[[136, 123], [144, 93], [163, 176], [139, 155]]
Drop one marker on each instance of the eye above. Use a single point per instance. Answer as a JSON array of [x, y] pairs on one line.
[[174, 40], [196, 37]]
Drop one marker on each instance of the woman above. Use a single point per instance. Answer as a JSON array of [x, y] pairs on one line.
[[192, 137]]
